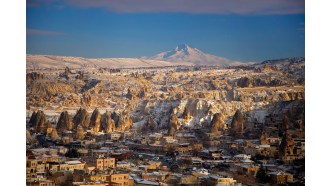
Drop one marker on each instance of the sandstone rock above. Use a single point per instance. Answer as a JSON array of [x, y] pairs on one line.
[[38, 121], [28, 136], [81, 118], [173, 125], [237, 123], [263, 138], [115, 118], [86, 99], [287, 145], [284, 96], [107, 123], [217, 122], [186, 114], [67, 70], [80, 132], [64, 122], [95, 121], [265, 68], [48, 89], [125, 122], [33, 76], [80, 76], [150, 125], [49, 129], [142, 93], [129, 94], [54, 135], [66, 73], [244, 82], [284, 126]]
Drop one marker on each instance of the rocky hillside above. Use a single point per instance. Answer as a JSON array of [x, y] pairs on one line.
[[169, 98]]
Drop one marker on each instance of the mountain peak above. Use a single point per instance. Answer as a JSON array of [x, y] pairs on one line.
[[185, 53], [182, 47]]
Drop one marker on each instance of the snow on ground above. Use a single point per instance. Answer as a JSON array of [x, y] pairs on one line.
[[60, 62]]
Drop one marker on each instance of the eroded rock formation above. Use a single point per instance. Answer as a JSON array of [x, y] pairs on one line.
[[237, 123], [95, 122], [217, 122], [54, 135], [173, 125], [107, 123], [81, 118], [80, 134], [38, 121], [64, 122]]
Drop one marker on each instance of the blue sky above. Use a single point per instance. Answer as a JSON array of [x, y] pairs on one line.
[[253, 31]]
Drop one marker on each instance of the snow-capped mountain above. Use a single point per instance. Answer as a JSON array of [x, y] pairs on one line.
[[185, 53]]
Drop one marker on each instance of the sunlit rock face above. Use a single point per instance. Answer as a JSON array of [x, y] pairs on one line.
[[185, 96], [95, 121], [81, 118], [80, 132], [217, 122], [173, 125], [237, 123], [38, 121], [107, 123], [64, 122]]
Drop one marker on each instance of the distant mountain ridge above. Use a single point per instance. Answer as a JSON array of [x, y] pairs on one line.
[[285, 60], [181, 55], [185, 53]]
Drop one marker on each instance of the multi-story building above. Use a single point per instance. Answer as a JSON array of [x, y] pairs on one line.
[[119, 179], [280, 177], [105, 163]]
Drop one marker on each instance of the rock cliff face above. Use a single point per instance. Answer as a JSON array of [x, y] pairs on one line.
[[95, 122], [107, 123], [287, 145], [173, 125], [28, 136], [129, 94], [150, 124], [244, 82], [80, 134], [115, 118], [49, 128], [142, 93], [81, 118], [124, 122], [186, 114], [86, 99], [47, 89], [237, 124], [64, 122], [54, 135], [33, 76], [217, 123], [144, 98], [38, 121]]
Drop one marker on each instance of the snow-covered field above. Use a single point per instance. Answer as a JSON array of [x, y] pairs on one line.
[[60, 62]]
